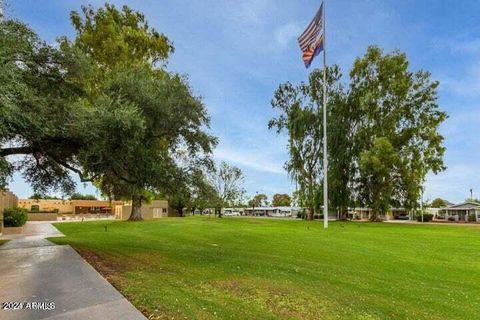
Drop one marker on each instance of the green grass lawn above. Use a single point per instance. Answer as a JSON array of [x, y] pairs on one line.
[[236, 268], [3, 242]]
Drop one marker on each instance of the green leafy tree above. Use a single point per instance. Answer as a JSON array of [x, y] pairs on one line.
[[258, 200], [38, 118], [439, 203], [301, 118], [203, 193], [79, 196], [398, 108], [116, 39], [226, 182], [376, 166], [37, 196], [385, 107], [281, 200], [140, 116]]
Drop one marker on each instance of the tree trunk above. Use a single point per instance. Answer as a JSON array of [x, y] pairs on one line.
[[219, 211], [136, 214], [180, 212], [343, 213], [311, 213]]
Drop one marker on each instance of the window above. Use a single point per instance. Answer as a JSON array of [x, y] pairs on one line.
[[164, 210]]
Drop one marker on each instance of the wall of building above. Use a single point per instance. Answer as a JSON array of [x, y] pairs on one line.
[[63, 206], [7, 200], [155, 210]]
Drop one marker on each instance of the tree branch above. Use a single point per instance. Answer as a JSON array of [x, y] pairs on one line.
[[15, 150]]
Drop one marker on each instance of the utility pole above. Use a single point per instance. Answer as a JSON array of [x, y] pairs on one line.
[[471, 194]]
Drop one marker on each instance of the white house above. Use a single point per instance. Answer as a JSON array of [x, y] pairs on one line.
[[464, 212]]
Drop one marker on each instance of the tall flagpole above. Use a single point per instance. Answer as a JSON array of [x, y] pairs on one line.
[[325, 156]]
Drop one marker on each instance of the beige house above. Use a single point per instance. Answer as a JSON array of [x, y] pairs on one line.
[[154, 210], [49, 208], [34, 205], [7, 200]]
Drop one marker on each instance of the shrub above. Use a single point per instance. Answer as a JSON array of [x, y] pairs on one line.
[[14, 217], [472, 218], [427, 217]]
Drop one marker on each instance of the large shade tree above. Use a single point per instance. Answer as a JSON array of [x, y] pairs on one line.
[[141, 115], [40, 132], [383, 134], [401, 116]]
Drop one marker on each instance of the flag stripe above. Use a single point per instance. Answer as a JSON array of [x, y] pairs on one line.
[[311, 37], [311, 41], [312, 53], [307, 30]]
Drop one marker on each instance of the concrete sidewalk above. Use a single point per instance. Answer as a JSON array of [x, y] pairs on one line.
[[32, 269]]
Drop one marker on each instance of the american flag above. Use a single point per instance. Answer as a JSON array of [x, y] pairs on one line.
[[311, 41]]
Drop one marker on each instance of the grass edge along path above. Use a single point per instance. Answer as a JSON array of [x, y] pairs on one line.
[[206, 268]]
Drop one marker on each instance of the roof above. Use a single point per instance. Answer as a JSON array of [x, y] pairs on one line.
[[273, 208], [464, 206]]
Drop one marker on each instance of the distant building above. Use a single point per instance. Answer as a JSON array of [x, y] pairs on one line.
[[154, 210], [464, 212], [75, 207], [92, 208], [268, 211], [366, 213]]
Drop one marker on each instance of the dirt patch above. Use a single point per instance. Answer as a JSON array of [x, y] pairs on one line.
[[109, 267]]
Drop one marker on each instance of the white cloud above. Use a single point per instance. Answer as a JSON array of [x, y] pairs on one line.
[[251, 158]]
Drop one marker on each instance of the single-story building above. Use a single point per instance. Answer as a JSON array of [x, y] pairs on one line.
[[153, 210], [233, 211], [365, 214], [67, 207], [272, 211], [92, 208], [464, 212]]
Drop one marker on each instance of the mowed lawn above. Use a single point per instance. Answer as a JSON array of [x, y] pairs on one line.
[[247, 268]]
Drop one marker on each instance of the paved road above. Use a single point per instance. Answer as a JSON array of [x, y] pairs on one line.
[[32, 269]]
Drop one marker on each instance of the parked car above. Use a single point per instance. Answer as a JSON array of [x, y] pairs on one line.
[[403, 216]]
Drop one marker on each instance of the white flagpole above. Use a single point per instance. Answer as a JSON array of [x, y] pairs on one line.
[[325, 156]]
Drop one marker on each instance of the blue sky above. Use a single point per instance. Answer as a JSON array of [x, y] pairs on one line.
[[236, 53]]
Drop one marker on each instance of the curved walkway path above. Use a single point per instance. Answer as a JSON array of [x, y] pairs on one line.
[[33, 269]]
